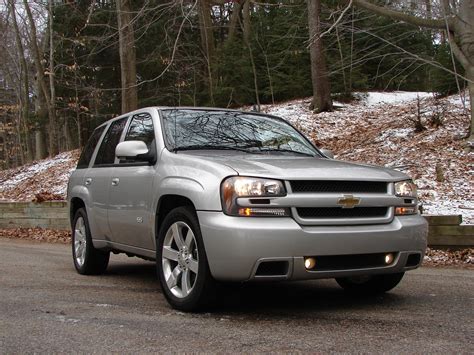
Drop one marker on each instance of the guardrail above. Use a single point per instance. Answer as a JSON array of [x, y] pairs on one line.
[[444, 231]]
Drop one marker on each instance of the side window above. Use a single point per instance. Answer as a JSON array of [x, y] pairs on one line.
[[141, 129], [89, 148], [106, 153]]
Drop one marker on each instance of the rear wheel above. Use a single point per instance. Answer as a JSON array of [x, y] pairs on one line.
[[370, 284], [87, 259], [182, 262]]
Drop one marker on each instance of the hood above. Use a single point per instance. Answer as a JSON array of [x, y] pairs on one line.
[[300, 168]]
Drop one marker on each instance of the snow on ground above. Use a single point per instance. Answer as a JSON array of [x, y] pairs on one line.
[[47, 175], [377, 98], [376, 130]]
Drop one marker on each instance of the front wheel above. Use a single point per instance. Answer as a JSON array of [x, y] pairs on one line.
[[87, 259], [182, 262], [370, 284]]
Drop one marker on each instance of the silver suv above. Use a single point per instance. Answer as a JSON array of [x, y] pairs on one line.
[[221, 195]]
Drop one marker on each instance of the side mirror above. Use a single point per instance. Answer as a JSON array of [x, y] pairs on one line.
[[133, 151], [328, 153]]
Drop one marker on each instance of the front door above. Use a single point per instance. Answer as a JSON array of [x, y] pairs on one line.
[[131, 191]]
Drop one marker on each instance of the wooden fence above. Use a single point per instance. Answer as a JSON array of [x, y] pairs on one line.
[[50, 214]]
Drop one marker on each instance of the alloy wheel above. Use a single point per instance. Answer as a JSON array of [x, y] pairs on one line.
[[80, 241], [180, 259]]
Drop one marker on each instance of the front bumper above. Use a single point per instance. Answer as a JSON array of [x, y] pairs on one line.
[[235, 246]]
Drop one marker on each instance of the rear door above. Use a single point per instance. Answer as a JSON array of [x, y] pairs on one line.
[[131, 191], [97, 179]]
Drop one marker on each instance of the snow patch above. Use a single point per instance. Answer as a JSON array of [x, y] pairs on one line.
[[394, 97]]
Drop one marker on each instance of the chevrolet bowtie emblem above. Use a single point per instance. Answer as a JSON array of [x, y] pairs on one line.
[[348, 201]]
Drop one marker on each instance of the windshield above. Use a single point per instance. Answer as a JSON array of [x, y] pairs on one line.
[[188, 129]]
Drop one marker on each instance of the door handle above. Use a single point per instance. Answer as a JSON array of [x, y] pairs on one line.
[[88, 181], [115, 181]]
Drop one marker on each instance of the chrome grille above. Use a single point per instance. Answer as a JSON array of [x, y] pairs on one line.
[[322, 186]]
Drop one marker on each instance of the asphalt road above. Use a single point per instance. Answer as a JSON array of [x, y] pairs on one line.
[[45, 306]]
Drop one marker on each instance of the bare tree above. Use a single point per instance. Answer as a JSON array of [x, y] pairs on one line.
[[128, 65], [207, 41], [40, 69], [319, 74], [24, 82], [458, 22]]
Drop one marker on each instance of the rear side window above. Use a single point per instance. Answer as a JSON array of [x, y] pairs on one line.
[[106, 153], [141, 129], [88, 150]]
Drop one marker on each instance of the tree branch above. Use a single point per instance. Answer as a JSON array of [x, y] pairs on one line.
[[401, 16]]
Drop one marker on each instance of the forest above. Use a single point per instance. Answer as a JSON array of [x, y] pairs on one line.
[[67, 66]]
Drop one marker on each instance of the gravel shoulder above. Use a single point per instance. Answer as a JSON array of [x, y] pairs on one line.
[[45, 306]]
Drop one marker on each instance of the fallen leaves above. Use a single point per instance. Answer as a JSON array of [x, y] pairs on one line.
[[38, 234], [43, 196], [462, 257]]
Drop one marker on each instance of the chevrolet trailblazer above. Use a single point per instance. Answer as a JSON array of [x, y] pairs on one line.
[[221, 195]]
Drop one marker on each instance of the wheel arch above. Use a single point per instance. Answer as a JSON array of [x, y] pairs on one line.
[[167, 203], [75, 204]]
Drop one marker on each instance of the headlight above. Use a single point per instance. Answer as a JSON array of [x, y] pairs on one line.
[[405, 189], [240, 186]]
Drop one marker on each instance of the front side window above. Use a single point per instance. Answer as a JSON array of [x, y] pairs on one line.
[[89, 148], [141, 129], [106, 153], [231, 130]]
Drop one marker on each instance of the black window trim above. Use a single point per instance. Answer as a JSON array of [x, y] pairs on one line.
[[122, 139], [99, 142], [116, 162], [122, 135]]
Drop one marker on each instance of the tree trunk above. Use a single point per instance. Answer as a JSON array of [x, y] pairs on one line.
[[246, 20], [37, 55], [52, 88], [470, 77], [319, 74], [207, 42], [25, 87], [234, 20], [40, 146], [464, 30], [128, 65]]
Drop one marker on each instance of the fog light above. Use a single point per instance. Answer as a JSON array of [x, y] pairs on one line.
[[389, 258], [309, 263]]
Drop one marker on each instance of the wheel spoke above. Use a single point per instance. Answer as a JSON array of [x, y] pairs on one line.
[[172, 280], [193, 265], [178, 237], [185, 282], [189, 239], [170, 254]]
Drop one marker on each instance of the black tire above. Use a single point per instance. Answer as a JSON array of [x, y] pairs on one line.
[[203, 291], [93, 261], [370, 285]]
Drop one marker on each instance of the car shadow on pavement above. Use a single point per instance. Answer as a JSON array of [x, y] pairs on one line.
[[270, 298], [299, 297]]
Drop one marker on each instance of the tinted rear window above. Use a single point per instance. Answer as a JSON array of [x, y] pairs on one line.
[[89, 148], [106, 153]]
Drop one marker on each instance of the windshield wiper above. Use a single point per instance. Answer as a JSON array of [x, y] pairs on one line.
[[286, 151], [209, 147]]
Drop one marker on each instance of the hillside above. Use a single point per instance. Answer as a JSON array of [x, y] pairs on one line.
[[375, 130]]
